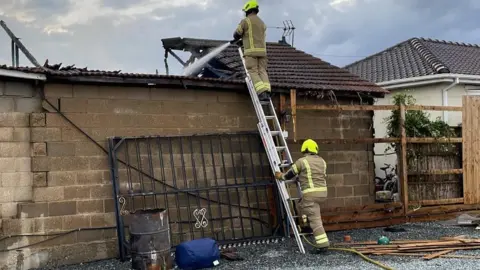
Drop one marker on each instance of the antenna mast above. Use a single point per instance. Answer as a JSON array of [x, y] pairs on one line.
[[288, 30]]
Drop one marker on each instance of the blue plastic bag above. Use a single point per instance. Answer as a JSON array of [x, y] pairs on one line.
[[197, 254]]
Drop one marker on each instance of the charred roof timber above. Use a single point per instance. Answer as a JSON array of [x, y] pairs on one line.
[[16, 45], [288, 67], [198, 49]]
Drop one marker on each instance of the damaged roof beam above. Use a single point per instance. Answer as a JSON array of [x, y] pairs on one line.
[[176, 57], [19, 44]]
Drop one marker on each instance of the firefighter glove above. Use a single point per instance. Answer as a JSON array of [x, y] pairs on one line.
[[279, 175]]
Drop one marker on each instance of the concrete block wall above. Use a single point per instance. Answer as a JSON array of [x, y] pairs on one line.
[[65, 177], [70, 174], [17, 101], [350, 168]]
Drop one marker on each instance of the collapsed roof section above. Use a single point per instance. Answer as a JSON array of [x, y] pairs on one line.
[[287, 66]]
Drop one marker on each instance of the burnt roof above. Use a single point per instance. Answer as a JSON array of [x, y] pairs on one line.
[[287, 67], [71, 74], [419, 57]]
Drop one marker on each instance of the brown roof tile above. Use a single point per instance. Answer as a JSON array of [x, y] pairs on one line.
[[24, 69], [287, 67]]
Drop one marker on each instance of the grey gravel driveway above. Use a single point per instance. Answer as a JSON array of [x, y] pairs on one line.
[[285, 255]]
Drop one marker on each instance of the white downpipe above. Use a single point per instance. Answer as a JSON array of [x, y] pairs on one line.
[[22, 75], [445, 97]]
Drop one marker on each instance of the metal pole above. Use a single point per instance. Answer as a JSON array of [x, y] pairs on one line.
[[13, 53], [17, 56], [112, 158], [19, 44]]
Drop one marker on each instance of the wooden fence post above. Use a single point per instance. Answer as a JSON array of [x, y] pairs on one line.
[[293, 105], [283, 102], [403, 160]]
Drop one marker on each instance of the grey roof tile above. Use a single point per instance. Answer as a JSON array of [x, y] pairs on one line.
[[419, 57]]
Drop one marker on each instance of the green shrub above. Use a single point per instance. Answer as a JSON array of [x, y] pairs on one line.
[[417, 123]]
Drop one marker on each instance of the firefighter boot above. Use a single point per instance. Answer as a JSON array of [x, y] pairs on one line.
[[264, 96]]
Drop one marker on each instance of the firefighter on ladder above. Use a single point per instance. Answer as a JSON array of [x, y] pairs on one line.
[[252, 31], [311, 171]]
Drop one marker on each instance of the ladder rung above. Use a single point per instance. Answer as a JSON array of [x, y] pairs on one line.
[[294, 199], [281, 148], [289, 181], [275, 133], [269, 117], [265, 102], [284, 165]]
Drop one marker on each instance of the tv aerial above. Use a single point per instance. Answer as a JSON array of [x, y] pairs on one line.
[[288, 31]]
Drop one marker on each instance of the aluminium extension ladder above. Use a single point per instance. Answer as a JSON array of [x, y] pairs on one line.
[[274, 150]]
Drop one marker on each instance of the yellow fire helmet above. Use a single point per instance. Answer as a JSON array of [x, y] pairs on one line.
[[250, 5], [309, 146]]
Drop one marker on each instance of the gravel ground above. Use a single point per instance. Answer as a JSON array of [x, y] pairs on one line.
[[285, 255]]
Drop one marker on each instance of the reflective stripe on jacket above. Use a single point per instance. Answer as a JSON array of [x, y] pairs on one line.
[[253, 31], [311, 171]]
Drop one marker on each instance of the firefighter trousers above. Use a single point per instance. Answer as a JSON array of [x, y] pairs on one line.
[[257, 68], [310, 206]]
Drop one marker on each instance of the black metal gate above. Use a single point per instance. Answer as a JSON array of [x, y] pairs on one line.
[[215, 185]]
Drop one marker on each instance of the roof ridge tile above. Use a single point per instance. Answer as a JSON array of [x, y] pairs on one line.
[[450, 42], [429, 57]]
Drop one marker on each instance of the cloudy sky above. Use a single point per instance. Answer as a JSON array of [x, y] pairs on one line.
[[126, 34]]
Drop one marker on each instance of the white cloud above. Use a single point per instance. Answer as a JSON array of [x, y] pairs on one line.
[[52, 29], [126, 34], [12, 10], [342, 5], [85, 11]]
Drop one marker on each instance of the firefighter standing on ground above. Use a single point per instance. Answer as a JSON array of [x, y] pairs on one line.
[[311, 171], [252, 31]]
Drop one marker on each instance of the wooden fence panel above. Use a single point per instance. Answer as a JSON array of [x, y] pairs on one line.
[[471, 149]]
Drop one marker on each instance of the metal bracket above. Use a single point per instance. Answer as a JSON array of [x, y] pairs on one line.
[[199, 215], [123, 203]]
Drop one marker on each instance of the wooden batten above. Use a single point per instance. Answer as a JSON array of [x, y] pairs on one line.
[[380, 215], [293, 106], [403, 160], [437, 202], [377, 108], [471, 149]]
